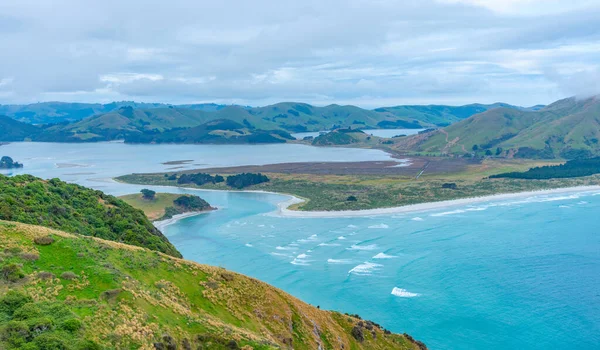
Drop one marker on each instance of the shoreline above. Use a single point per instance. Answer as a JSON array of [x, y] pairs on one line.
[[161, 224], [283, 211]]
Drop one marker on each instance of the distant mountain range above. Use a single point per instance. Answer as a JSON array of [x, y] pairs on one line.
[[569, 128]]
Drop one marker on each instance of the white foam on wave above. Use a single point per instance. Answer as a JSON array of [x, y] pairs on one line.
[[417, 219], [339, 261], [564, 206], [457, 211], [341, 237], [379, 226], [476, 208], [249, 245], [261, 225], [365, 269], [329, 245], [362, 247], [403, 293], [352, 226], [312, 238], [280, 254], [301, 260], [582, 202], [384, 256], [284, 248]]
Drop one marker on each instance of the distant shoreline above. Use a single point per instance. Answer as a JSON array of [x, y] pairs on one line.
[[284, 211]]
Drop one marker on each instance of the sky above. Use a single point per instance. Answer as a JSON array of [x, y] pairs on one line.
[[368, 53]]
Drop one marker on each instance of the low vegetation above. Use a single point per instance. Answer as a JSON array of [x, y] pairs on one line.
[[73, 208], [572, 168], [8, 163], [355, 192], [166, 205], [87, 293]]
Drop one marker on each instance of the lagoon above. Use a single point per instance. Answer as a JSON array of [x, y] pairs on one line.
[[520, 273]]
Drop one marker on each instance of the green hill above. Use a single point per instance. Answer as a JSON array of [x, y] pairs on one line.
[[59, 112], [13, 130], [568, 128], [340, 137], [221, 131], [64, 291], [441, 115], [73, 208]]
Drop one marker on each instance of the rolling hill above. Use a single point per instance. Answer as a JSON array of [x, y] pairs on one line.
[[60, 112], [73, 208], [13, 130], [441, 115], [569, 128], [220, 131]]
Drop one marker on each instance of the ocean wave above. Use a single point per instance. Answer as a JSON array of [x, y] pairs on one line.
[[384, 256], [249, 245], [457, 211], [301, 260], [417, 219], [352, 226], [379, 226], [329, 244], [280, 254], [312, 238], [403, 293], [564, 206], [341, 237], [284, 248], [339, 261], [365, 269], [362, 247]]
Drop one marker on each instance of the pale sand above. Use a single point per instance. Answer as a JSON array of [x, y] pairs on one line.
[[283, 210], [160, 225]]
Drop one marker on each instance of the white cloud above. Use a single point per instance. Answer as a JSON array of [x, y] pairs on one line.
[[369, 53]]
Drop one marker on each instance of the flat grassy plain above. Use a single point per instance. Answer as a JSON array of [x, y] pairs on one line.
[[155, 208], [66, 291], [331, 192]]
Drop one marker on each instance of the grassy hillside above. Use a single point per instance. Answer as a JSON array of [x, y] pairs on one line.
[[340, 137], [59, 112], [221, 131], [164, 205], [568, 128], [73, 208], [441, 115], [64, 291], [12, 130]]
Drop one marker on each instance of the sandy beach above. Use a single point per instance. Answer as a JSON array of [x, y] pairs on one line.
[[160, 225], [283, 210]]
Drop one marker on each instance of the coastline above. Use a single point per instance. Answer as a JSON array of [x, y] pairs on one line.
[[283, 211], [161, 224]]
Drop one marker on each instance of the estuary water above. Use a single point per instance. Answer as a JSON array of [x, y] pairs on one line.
[[508, 274]]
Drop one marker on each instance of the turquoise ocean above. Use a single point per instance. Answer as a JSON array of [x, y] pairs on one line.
[[507, 274]]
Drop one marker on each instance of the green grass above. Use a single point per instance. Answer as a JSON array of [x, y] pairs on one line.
[[128, 297], [155, 208], [331, 192]]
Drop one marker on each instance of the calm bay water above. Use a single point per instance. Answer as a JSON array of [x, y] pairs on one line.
[[375, 132], [522, 274]]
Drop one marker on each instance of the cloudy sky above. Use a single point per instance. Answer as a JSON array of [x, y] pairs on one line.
[[369, 53]]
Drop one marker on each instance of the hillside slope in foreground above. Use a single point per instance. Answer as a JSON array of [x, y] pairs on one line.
[[65, 291]]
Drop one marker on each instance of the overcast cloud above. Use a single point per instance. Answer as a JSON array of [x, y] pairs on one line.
[[369, 53]]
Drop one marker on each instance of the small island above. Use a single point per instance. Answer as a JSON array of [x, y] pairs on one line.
[[163, 206], [8, 163]]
